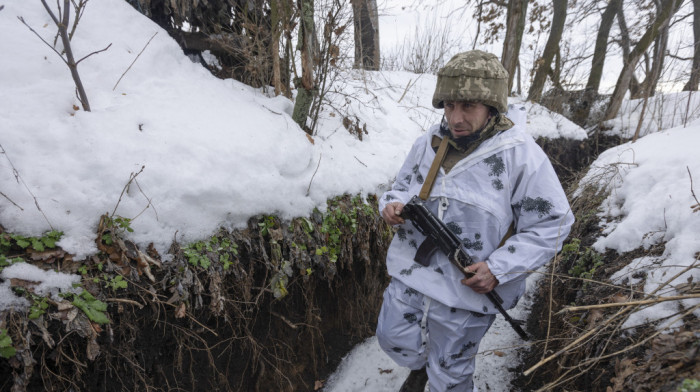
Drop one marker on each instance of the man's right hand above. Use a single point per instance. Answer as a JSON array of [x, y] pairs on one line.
[[392, 213]]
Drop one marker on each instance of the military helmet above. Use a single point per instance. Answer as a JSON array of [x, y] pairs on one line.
[[474, 76]]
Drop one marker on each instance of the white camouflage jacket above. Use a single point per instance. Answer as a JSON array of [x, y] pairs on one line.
[[507, 178]]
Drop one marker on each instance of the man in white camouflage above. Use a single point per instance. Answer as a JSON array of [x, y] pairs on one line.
[[493, 175]]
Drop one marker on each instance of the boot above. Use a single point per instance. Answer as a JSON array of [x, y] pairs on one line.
[[415, 382]]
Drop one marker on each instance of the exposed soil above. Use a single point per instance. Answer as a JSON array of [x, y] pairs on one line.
[[212, 329]]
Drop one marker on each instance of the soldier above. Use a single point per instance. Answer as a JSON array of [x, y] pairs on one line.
[[490, 176]]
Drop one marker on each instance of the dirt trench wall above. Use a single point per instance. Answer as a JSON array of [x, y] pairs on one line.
[[223, 327]]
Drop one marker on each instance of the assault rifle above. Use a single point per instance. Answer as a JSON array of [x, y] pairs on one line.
[[439, 237]]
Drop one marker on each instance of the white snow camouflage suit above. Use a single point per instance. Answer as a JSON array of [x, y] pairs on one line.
[[507, 178]]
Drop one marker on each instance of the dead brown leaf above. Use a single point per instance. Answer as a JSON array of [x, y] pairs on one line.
[[181, 311], [619, 298], [318, 384], [594, 318], [623, 369], [499, 353], [26, 284]]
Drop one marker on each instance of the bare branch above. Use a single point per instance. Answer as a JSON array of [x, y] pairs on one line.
[[20, 180], [21, 19], [99, 51], [314, 175], [695, 207], [132, 177]]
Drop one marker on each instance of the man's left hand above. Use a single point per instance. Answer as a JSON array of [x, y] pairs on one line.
[[483, 280]]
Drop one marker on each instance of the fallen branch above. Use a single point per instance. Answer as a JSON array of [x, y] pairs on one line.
[[578, 340], [132, 63], [631, 303], [10, 200]]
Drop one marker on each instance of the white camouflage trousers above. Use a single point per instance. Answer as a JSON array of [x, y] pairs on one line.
[[417, 331]]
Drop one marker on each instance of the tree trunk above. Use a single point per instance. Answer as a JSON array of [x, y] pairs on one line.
[[515, 25], [366, 22], [580, 116], [657, 65], [626, 44], [305, 87], [623, 81], [601, 44], [692, 84], [550, 49]]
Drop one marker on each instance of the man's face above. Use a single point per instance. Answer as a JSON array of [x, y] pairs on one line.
[[465, 118]]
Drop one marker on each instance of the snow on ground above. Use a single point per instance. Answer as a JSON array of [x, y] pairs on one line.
[[663, 111], [651, 190], [213, 152]]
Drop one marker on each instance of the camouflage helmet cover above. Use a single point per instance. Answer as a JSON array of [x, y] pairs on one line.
[[474, 76]]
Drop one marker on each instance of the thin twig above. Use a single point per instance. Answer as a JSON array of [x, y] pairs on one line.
[[21, 19], [150, 203], [695, 207], [363, 164], [408, 87], [314, 175], [10, 200], [578, 340], [126, 301], [645, 340], [132, 63], [631, 303], [19, 179], [292, 325], [132, 177], [95, 52]]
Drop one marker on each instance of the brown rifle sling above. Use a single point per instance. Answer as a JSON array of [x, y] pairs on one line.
[[432, 174]]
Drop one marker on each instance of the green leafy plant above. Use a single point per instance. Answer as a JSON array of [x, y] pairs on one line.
[[281, 279], [199, 254], [6, 348], [266, 224], [583, 262], [6, 262], [93, 308], [38, 307], [48, 240], [689, 385], [116, 282], [116, 225]]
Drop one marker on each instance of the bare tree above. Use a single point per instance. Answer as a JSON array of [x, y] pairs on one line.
[[692, 84], [366, 22], [601, 44], [305, 85], [515, 25], [62, 25], [623, 82], [648, 87], [590, 92], [551, 48]]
